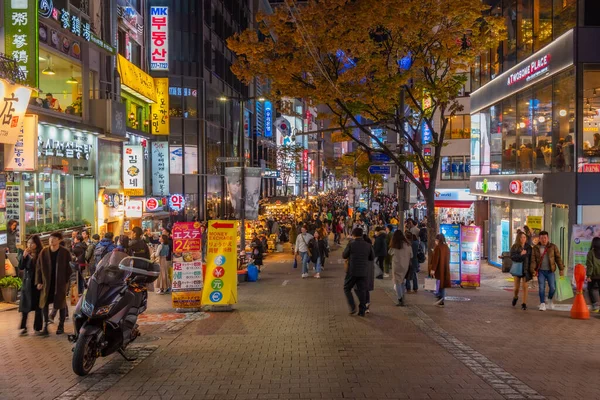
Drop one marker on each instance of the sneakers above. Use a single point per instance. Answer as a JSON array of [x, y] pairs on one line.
[[60, 330], [23, 332], [524, 307], [514, 301], [386, 275], [542, 307], [318, 275], [400, 303], [304, 276], [550, 304], [441, 304], [595, 308], [439, 301]]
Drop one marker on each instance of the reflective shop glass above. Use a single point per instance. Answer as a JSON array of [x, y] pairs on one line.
[[532, 131], [590, 148], [499, 229], [456, 168]]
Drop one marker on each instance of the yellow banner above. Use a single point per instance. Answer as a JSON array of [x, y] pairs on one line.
[[534, 223], [136, 81], [160, 110], [220, 283]]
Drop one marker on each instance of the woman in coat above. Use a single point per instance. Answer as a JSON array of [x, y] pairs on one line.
[[401, 252], [439, 267], [162, 251], [30, 295], [411, 276], [521, 252]]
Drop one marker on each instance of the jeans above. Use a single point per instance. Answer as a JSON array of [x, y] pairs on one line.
[[400, 290], [305, 261], [319, 264], [441, 294], [595, 283], [544, 276], [412, 277], [361, 292]]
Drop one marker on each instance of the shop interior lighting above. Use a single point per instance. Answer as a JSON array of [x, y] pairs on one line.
[[48, 70], [594, 91], [562, 113], [72, 79]]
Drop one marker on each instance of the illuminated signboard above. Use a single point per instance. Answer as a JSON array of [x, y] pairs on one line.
[[20, 37], [159, 38]]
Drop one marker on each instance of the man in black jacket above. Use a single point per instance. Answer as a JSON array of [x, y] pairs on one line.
[[358, 253], [381, 249]]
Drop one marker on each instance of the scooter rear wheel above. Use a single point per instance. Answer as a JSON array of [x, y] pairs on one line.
[[84, 355]]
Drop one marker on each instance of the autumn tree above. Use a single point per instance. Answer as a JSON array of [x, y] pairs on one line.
[[398, 64], [289, 156]]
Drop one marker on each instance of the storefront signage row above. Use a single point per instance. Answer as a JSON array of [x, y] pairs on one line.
[[526, 187], [551, 60], [20, 34]]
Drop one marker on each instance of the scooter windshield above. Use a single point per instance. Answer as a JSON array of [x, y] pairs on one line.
[[108, 271]]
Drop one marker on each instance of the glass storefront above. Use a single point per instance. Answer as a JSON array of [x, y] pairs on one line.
[[590, 144], [60, 80]]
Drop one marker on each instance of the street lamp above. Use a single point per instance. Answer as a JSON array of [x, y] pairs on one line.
[[242, 151]]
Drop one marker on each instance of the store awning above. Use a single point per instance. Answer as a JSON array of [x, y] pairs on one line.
[[135, 81], [453, 203]]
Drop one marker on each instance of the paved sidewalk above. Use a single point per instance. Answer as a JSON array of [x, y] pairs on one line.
[[292, 338]]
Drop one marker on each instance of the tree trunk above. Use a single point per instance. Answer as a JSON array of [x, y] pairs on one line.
[[432, 227]]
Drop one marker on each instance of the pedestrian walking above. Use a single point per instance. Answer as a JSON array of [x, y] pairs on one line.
[[30, 295], [89, 254], [593, 272], [545, 257], [358, 253], [520, 252], [320, 251], [439, 267], [413, 268], [137, 245], [52, 276], [370, 277], [401, 252], [257, 251], [163, 284], [78, 264], [302, 248], [381, 250], [104, 246]]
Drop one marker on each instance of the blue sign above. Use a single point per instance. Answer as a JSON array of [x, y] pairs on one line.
[[380, 170], [426, 136], [380, 157], [216, 296], [268, 119]]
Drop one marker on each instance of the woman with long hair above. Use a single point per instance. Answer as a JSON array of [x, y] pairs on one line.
[[593, 272], [30, 295], [163, 284], [520, 252], [439, 267], [401, 252]]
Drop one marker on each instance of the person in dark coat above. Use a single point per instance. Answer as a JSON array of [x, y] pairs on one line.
[[381, 249], [137, 245], [370, 277], [30, 295], [257, 251], [359, 255], [413, 268], [521, 252], [52, 276], [11, 236], [439, 267], [320, 251]]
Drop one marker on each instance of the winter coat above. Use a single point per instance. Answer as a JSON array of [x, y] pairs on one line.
[[400, 262], [319, 248], [139, 248], [380, 247], [593, 266], [104, 247], [414, 261], [61, 283], [553, 256], [79, 251], [11, 241], [371, 268], [440, 264], [515, 256], [257, 252], [30, 295], [360, 255]]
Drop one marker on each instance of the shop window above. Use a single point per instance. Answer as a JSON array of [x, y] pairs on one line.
[[476, 74], [522, 213], [495, 135], [542, 126], [175, 101], [524, 142], [565, 16], [190, 99], [509, 135], [60, 84], [460, 127], [590, 160], [509, 46], [446, 168], [542, 23], [499, 229], [563, 128], [456, 168], [137, 113], [485, 67], [524, 29], [485, 126]]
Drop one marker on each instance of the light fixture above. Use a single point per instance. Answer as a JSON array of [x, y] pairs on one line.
[[521, 124], [48, 70], [542, 119], [261, 99], [587, 102], [222, 98], [562, 113], [146, 123], [72, 79]]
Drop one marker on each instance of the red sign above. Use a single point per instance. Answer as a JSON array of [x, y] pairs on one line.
[[516, 187], [187, 237], [305, 159], [589, 168], [151, 204], [532, 70], [218, 272]]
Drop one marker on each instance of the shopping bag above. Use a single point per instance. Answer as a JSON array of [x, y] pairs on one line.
[[378, 271], [430, 284], [516, 269], [74, 292], [564, 289], [295, 262]]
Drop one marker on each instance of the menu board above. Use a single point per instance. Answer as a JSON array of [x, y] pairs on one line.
[[187, 276], [452, 234], [188, 279]]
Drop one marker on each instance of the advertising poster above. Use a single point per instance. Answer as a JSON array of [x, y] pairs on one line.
[[470, 254], [221, 267], [22, 156], [505, 226], [188, 281], [534, 223], [452, 234], [133, 170], [581, 242], [252, 189]]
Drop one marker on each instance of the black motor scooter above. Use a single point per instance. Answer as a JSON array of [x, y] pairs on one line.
[[106, 315]]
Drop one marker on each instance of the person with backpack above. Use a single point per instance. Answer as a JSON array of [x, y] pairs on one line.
[[89, 254], [105, 246], [411, 276]]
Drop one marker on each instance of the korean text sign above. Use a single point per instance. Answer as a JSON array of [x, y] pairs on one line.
[[188, 279], [22, 156], [160, 110], [133, 170], [159, 38], [470, 253], [221, 268], [20, 38], [160, 168], [13, 105]]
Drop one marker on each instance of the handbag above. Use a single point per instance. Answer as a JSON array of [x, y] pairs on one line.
[[564, 289], [378, 271], [507, 262], [430, 284], [295, 262], [516, 269]]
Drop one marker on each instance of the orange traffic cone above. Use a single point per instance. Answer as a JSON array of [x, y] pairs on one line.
[[579, 309]]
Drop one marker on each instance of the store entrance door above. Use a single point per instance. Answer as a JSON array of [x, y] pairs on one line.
[[560, 229]]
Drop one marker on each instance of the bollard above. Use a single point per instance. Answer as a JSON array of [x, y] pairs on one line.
[[579, 309]]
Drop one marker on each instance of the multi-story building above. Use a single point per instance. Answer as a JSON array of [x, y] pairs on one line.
[[535, 141]]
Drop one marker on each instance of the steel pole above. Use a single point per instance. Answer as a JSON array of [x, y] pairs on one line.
[[243, 179]]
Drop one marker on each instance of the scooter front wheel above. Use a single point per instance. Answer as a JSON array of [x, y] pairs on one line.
[[84, 355]]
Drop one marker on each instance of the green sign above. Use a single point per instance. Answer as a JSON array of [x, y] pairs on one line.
[[20, 36]]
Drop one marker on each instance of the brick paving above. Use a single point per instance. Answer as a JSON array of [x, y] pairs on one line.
[[292, 338]]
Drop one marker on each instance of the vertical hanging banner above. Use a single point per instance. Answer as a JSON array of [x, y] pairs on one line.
[[13, 106], [268, 114], [23, 155], [187, 284], [21, 37], [221, 267], [160, 110], [159, 38], [133, 170], [452, 234], [252, 189], [470, 253], [160, 168]]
